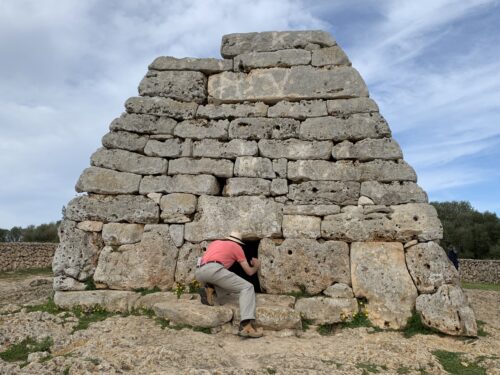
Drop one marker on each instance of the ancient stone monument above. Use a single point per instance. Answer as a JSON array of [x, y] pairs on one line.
[[280, 141]]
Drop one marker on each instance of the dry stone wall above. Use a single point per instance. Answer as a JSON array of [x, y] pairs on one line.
[[280, 141], [479, 271], [25, 255]]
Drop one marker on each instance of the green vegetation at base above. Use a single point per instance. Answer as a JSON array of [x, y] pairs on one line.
[[39, 233], [326, 329], [415, 326], [403, 370], [91, 315], [302, 293], [19, 274], [454, 364], [368, 367], [48, 307], [145, 291], [480, 328], [19, 352], [481, 286], [306, 323]]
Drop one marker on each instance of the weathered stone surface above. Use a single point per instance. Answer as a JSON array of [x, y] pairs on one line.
[[284, 58], [273, 318], [125, 141], [295, 149], [298, 226], [430, 267], [301, 170], [180, 183], [448, 311], [279, 186], [223, 111], [329, 56], [129, 208], [386, 171], [212, 148], [147, 264], [115, 234], [339, 290], [353, 128], [299, 110], [186, 262], [295, 83], [364, 201], [67, 283], [410, 244], [246, 186], [239, 43], [295, 264], [147, 301], [216, 167], [184, 86], [248, 166], [326, 310], [106, 181], [193, 313], [177, 234], [177, 207], [343, 107], [161, 107], [140, 123], [111, 300], [368, 149], [201, 129], [90, 226], [393, 193], [324, 192], [379, 273], [168, 148], [77, 253], [125, 161], [260, 128], [311, 209], [221, 215], [207, 65], [416, 220], [280, 167]]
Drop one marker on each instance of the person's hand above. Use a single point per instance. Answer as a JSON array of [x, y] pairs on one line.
[[255, 262]]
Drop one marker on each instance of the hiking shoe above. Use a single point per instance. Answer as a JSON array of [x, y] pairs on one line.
[[249, 330], [207, 296]]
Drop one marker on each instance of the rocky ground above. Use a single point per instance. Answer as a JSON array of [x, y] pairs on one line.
[[139, 345]]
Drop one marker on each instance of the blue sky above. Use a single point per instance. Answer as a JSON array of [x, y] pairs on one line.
[[67, 67]]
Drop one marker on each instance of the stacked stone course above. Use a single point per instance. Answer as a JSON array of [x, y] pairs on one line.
[[280, 141], [25, 255]]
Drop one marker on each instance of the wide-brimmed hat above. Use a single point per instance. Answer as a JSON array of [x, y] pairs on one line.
[[236, 237]]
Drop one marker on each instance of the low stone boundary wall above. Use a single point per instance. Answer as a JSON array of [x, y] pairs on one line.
[[23, 255], [480, 271]]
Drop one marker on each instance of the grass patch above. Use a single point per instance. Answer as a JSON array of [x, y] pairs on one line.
[[480, 329], [85, 317], [19, 352], [481, 286], [302, 293], [145, 291], [306, 323], [89, 284], [368, 367], [403, 370], [414, 326], [18, 274], [359, 319], [48, 307], [163, 323], [325, 329], [453, 363]]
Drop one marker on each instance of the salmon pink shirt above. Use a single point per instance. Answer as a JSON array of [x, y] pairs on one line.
[[226, 252]]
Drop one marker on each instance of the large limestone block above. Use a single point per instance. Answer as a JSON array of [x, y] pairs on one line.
[[125, 141], [186, 262], [107, 181], [125, 161], [148, 124], [339, 290], [193, 313], [280, 167], [185, 86], [430, 267], [246, 186], [147, 264], [295, 264], [325, 192], [212, 148], [368, 149], [386, 171], [180, 183], [147, 301], [379, 273], [295, 83], [169, 148], [298, 226], [248, 166], [201, 129], [77, 253], [129, 208], [177, 234], [222, 111], [353, 128], [110, 300], [448, 311], [301, 170], [298, 110], [216, 167], [279, 186], [90, 226], [66, 283], [115, 234], [416, 221], [345, 107], [177, 207], [393, 193], [311, 209], [326, 310], [161, 107], [295, 149], [284, 58], [207, 65], [260, 128], [220, 215], [329, 56], [239, 43], [273, 318]]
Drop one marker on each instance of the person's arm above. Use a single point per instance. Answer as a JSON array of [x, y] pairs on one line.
[[250, 269]]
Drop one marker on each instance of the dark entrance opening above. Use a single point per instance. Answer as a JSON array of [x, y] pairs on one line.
[[251, 249]]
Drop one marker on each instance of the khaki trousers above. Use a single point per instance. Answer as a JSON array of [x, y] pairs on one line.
[[227, 282]]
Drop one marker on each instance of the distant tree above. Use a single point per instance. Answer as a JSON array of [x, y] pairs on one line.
[[15, 234], [40, 233], [474, 234], [3, 235]]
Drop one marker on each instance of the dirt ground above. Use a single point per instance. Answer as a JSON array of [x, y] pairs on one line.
[[139, 345]]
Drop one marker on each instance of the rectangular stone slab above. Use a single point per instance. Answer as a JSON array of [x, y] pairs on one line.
[[294, 149], [284, 58], [207, 65], [161, 107], [325, 192], [140, 123], [216, 167], [180, 183], [126, 161], [107, 181], [296, 83]]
